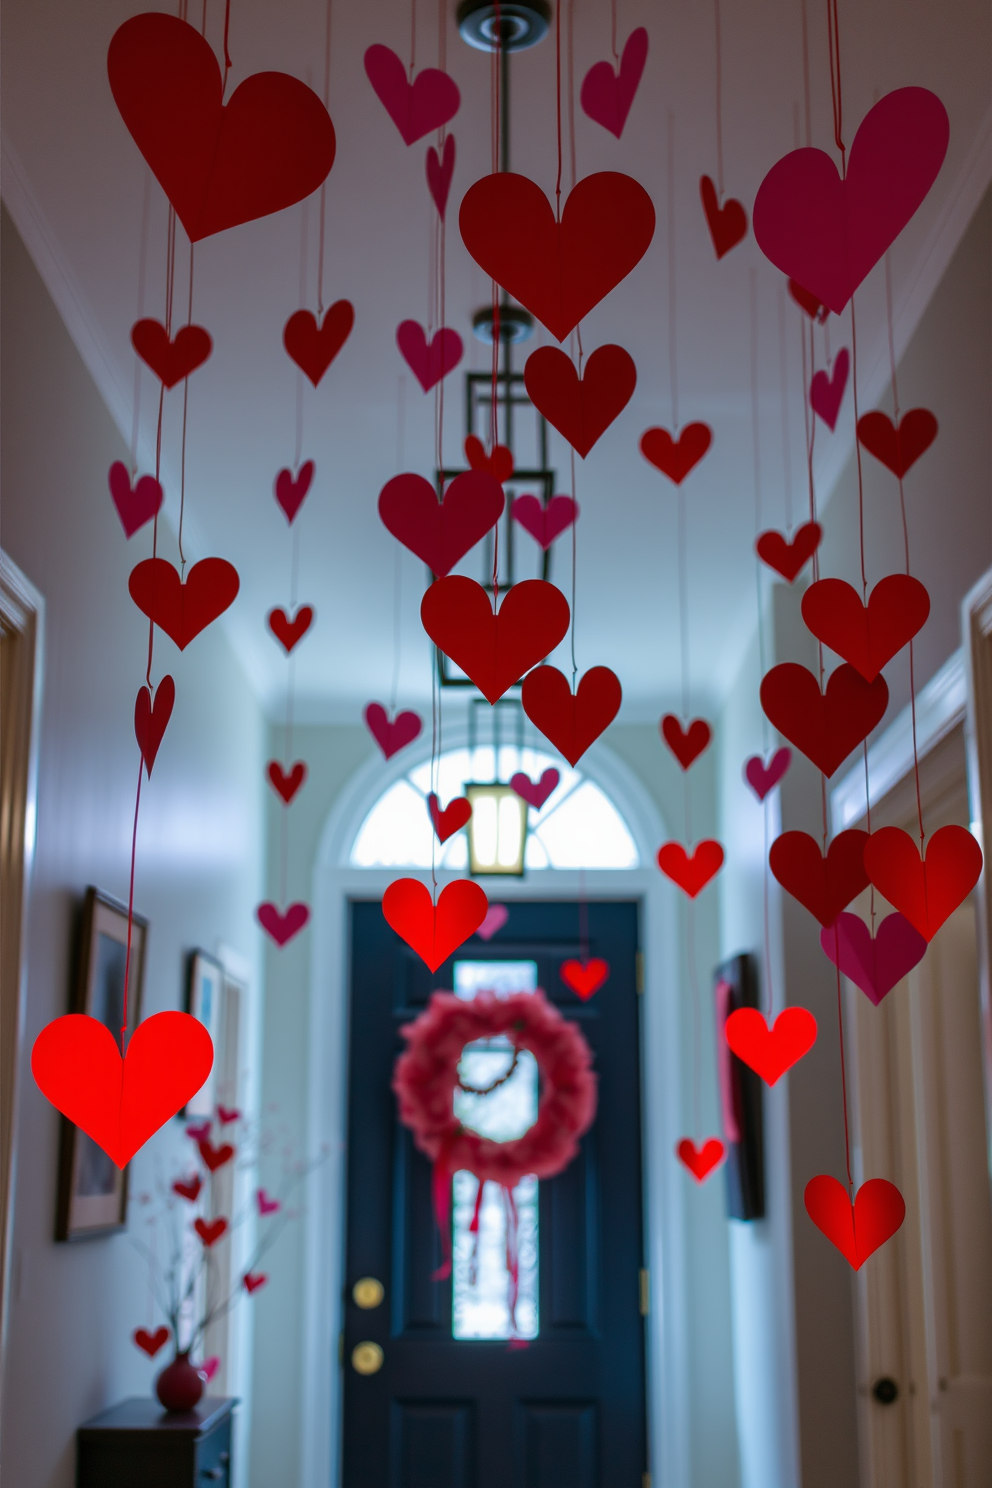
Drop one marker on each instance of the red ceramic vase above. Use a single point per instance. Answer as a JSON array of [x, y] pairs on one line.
[[180, 1385]]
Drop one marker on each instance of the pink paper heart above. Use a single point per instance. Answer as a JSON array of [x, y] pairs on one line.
[[535, 793], [209, 1367], [607, 96], [827, 392], [291, 490], [761, 777], [137, 504], [873, 965], [415, 108], [282, 925], [200, 1131], [429, 361], [828, 234], [265, 1204], [496, 917], [544, 523], [393, 736], [440, 169]]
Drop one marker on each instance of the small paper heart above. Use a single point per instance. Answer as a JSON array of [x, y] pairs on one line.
[[585, 977]]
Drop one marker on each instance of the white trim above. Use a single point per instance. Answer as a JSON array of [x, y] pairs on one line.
[[976, 625]]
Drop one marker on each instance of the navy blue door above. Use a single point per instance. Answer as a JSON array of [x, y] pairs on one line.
[[436, 1410]]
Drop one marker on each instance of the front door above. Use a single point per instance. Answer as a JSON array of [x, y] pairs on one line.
[[443, 1387]]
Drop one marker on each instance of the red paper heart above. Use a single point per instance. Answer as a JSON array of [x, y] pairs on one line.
[[150, 1343], [183, 610], [856, 1229], [544, 523], [171, 360], [789, 557], [265, 1204], [270, 145], [227, 1114], [441, 532], [571, 723], [808, 302], [152, 719], [282, 925], [416, 108], [866, 636], [440, 169], [825, 727], [926, 891], [136, 504], [451, 819], [691, 873], [120, 1103], [826, 392], [286, 785], [727, 224], [312, 347], [700, 1160], [763, 778], [825, 885], [580, 409], [215, 1157], [188, 1188], [585, 977], [289, 632], [535, 793], [197, 1131], [499, 463], [494, 650], [496, 917], [770, 1051], [676, 457], [875, 963], [686, 744], [431, 360], [291, 489], [210, 1231], [898, 446], [393, 736], [253, 1280], [607, 95], [559, 271], [434, 933]]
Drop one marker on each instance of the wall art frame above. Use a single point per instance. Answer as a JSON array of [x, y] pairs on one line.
[[204, 999]]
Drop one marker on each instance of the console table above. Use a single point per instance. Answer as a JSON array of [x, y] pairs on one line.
[[138, 1442]]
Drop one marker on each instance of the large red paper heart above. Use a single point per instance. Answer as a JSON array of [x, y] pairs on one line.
[[498, 463], [215, 1157], [875, 963], [286, 784], [440, 169], [391, 736], [135, 504], [770, 1051], [210, 1231], [174, 359], [826, 391], [289, 632], [700, 1160], [761, 777], [572, 723], [150, 1343], [607, 94], [535, 793], [291, 489], [431, 360], [559, 271], [866, 636], [898, 446], [188, 1188], [584, 977], [451, 820], [183, 610], [787, 557], [828, 233], [826, 726], [282, 925], [434, 932], [825, 885], [494, 650], [927, 891], [312, 347], [687, 744], [441, 532], [580, 409], [856, 1229], [691, 873], [120, 1103], [544, 523], [152, 719], [727, 224], [416, 108], [219, 164], [676, 457]]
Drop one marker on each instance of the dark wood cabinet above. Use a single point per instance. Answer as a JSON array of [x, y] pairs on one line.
[[137, 1442]]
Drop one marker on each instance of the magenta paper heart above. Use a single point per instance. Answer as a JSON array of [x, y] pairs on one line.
[[763, 778], [291, 490], [282, 926], [827, 393], [209, 1367], [440, 169], [544, 523], [828, 234], [607, 96], [394, 736], [135, 505], [873, 965], [265, 1204], [496, 917], [428, 361], [199, 1131], [415, 108], [535, 793]]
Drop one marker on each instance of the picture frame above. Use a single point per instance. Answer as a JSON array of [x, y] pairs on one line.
[[92, 1191], [204, 996]]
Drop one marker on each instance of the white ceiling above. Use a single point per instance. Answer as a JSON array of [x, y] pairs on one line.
[[75, 184]]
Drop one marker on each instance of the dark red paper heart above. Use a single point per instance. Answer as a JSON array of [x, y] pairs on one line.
[[441, 532], [150, 1343], [787, 557], [925, 891], [171, 360], [290, 490], [700, 1161], [825, 885], [691, 873], [440, 169], [434, 933], [825, 727], [676, 457], [727, 224], [535, 792], [826, 391], [607, 94], [686, 744], [856, 1229], [188, 1188], [584, 977], [391, 736], [135, 504], [312, 347], [428, 360], [866, 636], [763, 778], [253, 1280], [898, 446], [215, 1157], [451, 820], [494, 650], [289, 632], [281, 925], [286, 784], [183, 610], [770, 1051], [417, 108], [499, 462], [580, 409], [152, 719], [544, 523], [210, 1231], [572, 723], [227, 1114]]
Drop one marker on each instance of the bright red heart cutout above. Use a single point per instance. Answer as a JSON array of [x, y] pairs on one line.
[[584, 977], [282, 925], [188, 1188], [440, 169], [544, 523], [150, 1343], [120, 1103], [494, 650], [136, 504], [898, 446], [687, 744], [606, 94], [253, 1280], [171, 360], [535, 793], [824, 885], [787, 557], [451, 820], [572, 723], [431, 360], [770, 1051], [215, 1157], [499, 463], [866, 636], [152, 719], [286, 784], [416, 108], [676, 457], [700, 1160], [270, 145], [183, 610], [312, 347], [441, 532], [289, 632], [210, 1231], [434, 933], [826, 726], [727, 224], [691, 873], [856, 1229], [580, 409], [391, 736], [559, 271], [826, 391], [925, 891]]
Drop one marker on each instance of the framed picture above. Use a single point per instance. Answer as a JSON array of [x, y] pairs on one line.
[[92, 1196], [203, 1000]]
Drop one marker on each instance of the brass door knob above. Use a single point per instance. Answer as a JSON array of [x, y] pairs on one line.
[[368, 1292], [366, 1358]]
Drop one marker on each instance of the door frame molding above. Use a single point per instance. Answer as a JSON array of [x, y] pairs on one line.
[[976, 630]]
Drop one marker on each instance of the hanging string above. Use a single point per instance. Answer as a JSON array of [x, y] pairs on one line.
[[756, 449], [182, 458], [833, 33], [142, 266], [843, 1084], [719, 102], [442, 36], [413, 36], [806, 104], [684, 651], [857, 449], [495, 92], [571, 87], [575, 669], [613, 32], [323, 184], [398, 555], [783, 373], [558, 108], [130, 904], [673, 357], [697, 1032], [227, 55]]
